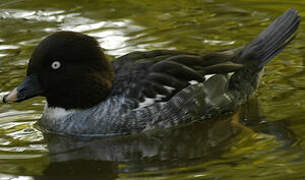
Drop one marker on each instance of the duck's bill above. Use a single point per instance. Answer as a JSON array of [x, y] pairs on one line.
[[29, 88]]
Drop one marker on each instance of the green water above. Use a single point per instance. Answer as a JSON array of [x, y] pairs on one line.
[[265, 139]]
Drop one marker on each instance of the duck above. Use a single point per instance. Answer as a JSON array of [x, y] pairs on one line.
[[88, 95]]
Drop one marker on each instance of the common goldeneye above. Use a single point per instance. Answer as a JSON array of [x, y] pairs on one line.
[[88, 95]]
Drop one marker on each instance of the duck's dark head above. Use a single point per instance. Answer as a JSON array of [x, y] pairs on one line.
[[69, 69]]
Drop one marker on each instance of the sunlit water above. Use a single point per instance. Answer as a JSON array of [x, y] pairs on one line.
[[264, 139]]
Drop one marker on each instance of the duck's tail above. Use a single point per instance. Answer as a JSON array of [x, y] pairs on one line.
[[260, 51], [271, 41]]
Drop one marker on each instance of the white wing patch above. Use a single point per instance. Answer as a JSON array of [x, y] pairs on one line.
[[149, 101], [169, 89], [193, 82], [230, 74], [208, 76]]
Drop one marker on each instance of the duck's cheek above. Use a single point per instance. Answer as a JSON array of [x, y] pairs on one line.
[[29, 88]]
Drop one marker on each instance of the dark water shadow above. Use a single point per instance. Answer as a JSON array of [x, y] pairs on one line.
[[252, 117]]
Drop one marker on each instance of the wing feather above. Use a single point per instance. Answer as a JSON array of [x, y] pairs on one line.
[[156, 76]]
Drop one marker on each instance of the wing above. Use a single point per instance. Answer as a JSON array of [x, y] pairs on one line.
[[156, 76]]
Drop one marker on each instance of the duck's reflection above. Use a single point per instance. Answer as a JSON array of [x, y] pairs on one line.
[[104, 158], [252, 117], [180, 143]]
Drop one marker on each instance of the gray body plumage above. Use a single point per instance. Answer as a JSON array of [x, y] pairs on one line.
[[118, 115]]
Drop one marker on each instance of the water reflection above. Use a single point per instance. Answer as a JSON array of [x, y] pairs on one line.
[[175, 144], [155, 151]]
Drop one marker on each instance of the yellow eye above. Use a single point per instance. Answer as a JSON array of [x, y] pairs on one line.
[[55, 65]]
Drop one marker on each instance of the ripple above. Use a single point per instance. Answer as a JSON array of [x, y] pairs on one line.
[[14, 177], [31, 42], [19, 156], [3, 55], [16, 113], [18, 149], [49, 16], [3, 47], [21, 136], [111, 39], [79, 25], [218, 42]]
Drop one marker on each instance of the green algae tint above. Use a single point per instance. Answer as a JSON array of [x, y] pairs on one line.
[[264, 139]]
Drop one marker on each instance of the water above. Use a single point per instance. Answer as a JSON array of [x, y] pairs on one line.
[[264, 139]]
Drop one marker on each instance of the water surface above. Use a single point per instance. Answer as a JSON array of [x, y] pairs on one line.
[[264, 139]]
